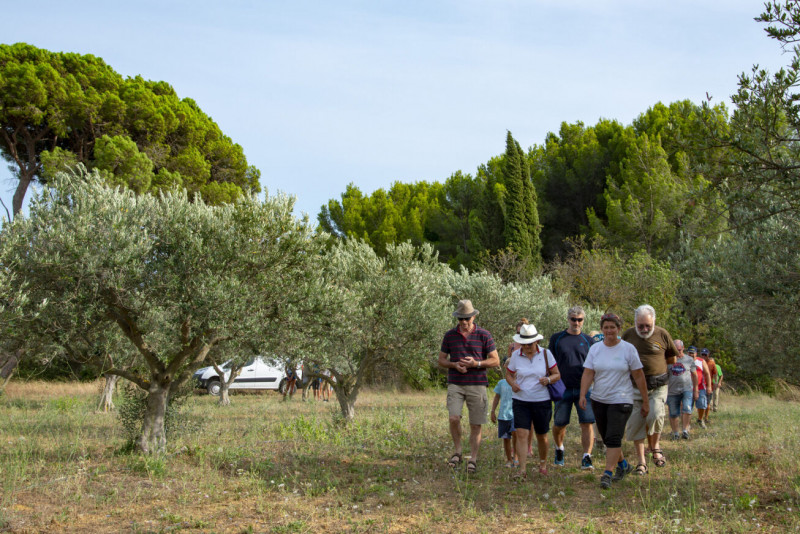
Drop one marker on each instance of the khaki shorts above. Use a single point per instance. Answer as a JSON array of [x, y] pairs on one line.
[[476, 399], [639, 428]]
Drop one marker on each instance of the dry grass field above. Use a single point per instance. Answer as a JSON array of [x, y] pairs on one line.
[[264, 465]]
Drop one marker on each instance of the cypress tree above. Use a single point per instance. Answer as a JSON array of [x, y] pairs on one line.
[[532, 209], [516, 232]]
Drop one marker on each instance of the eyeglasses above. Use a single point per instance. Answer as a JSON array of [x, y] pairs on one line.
[[464, 318], [644, 326], [576, 319]]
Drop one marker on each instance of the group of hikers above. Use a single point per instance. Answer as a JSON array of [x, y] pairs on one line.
[[621, 383]]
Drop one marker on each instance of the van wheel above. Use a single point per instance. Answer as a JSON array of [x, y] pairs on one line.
[[282, 387], [214, 387]]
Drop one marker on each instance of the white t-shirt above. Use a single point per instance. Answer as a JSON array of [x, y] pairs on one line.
[[612, 371], [528, 372]]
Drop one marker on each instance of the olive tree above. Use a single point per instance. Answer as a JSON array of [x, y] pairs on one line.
[[502, 305], [176, 278], [375, 309]]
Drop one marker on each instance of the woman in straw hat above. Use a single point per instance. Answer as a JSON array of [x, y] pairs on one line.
[[529, 372]]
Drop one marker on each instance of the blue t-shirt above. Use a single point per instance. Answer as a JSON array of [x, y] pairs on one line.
[[504, 411]]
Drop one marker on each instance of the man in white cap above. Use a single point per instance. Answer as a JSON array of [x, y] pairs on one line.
[[467, 351]]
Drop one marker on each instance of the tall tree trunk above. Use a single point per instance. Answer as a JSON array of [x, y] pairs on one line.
[[153, 439], [224, 393], [107, 399]]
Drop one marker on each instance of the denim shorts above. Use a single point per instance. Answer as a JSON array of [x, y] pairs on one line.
[[702, 400], [563, 408], [680, 403], [505, 428]]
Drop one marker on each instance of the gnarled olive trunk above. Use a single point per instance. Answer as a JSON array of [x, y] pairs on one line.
[[107, 399], [347, 400], [8, 364], [224, 394], [153, 439]]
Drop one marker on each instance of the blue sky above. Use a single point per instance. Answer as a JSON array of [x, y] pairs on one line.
[[321, 94]]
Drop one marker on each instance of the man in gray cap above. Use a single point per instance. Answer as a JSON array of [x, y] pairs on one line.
[[467, 351]]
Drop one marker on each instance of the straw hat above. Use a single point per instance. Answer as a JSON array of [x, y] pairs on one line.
[[527, 335]]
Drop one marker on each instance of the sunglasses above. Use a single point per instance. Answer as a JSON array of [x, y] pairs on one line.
[[576, 319], [464, 318]]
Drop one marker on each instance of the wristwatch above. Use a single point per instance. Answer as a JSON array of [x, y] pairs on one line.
[[479, 364]]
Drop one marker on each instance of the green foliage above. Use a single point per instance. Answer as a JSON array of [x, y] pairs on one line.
[[388, 310], [57, 109], [569, 171], [612, 281], [649, 207], [170, 277], [502, 305], [382, 219]]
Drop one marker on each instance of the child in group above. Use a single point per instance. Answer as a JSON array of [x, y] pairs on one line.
[[505, 420]]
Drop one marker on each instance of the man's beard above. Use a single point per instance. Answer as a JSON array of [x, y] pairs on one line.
[[647, 335]]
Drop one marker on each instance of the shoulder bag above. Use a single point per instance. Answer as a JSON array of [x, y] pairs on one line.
[[557, 388]]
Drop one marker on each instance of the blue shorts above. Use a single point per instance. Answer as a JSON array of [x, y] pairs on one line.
[[504, 428], [563, 408], [702, 400], [680, 403], [536, 413]]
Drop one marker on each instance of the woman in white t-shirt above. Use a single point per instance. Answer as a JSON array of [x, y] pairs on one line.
[[610, 365], [528, 375]]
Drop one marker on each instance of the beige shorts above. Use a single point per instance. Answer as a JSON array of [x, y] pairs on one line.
[[639, 428], [476, 399]]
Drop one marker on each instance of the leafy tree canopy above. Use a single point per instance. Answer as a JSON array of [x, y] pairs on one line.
[[173, 278], [58, 108]]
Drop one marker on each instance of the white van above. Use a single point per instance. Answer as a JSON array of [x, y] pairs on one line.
[[257, 374]]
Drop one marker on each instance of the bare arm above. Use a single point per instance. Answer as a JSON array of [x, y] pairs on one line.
[[444, 361], [586, 382], [512, 380], [492, 360], [707, 374], [554, 376], [695, 393], [495, 402], [638, 377]]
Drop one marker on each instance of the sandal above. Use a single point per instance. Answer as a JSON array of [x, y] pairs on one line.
[[454, 460], [519, 476], [661, 461], [472, 466], [640, 470]]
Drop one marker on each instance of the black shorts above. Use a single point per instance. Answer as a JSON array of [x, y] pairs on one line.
[[611, 420], [537, 413]]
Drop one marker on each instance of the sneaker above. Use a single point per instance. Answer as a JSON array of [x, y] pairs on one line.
[[702, 424], [559, 457], [605, 480], [685, 434], [676, 436], [620, 472], [586, 463]]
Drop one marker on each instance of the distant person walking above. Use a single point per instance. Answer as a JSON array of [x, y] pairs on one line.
[[703, 383], [682, 392], [711, 387], [466, 352], [717, 387], [569, 348]]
